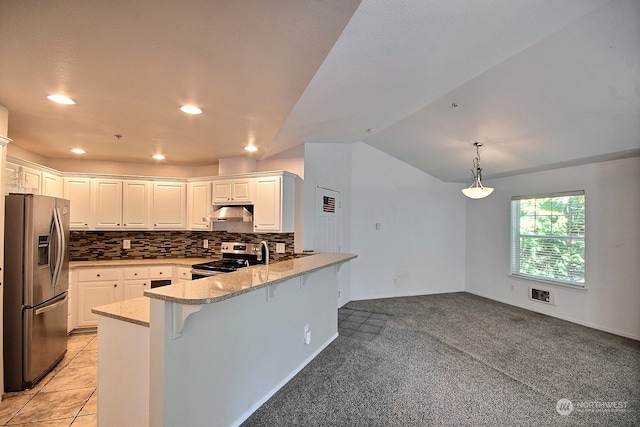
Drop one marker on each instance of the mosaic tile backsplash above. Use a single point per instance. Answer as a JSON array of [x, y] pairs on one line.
[[107, 245]]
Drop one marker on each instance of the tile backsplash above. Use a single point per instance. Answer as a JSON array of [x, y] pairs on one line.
[[107, 245]]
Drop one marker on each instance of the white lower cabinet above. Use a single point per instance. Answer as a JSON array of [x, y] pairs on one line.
[[136, 281], [95, 287], [184, 273]]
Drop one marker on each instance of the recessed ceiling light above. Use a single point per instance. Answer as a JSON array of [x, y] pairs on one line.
[[61, 99], [251, 148], [78, 151], [158, 157], [191, 109], [371, 130]]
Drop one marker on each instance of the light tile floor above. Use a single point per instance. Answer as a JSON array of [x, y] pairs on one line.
[[65, 397]]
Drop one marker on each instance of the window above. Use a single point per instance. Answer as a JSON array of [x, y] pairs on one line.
[[547, 237]]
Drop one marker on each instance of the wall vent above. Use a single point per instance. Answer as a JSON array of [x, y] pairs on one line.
[[542, 295]]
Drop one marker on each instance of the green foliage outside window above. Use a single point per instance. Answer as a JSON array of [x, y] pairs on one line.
[[548, 237]]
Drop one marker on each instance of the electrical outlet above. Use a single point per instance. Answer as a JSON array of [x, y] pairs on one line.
[[126, 244], [205, 244], [280, 248]]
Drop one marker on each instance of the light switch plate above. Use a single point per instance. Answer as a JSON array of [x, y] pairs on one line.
[[280, 248], [126, 244]]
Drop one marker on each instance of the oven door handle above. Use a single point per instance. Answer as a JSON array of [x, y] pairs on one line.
[[205, 272]]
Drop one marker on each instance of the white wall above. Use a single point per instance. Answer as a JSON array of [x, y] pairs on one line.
[[291, 160], [329, 166], [419, 248], [612, 191]]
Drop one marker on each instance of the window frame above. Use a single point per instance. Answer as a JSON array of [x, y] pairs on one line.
[[515, 235]]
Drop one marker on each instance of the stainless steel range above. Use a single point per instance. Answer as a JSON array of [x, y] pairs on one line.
[[235, 255]]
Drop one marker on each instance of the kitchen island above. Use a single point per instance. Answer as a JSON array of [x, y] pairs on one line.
[[214, 349]]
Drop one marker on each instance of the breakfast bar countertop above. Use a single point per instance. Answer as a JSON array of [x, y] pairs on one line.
[[221, 287], [224, 286]]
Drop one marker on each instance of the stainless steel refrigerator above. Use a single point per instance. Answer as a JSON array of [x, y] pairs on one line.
[[36, 279]]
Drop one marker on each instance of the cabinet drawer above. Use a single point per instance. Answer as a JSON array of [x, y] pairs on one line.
[[133, 273], [94, 274], [184, 273], [164, 272]]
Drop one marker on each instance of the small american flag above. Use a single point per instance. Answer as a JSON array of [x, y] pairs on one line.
[[328, 204]]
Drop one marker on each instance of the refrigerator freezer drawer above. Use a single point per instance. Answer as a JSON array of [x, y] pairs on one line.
[[45, 339]]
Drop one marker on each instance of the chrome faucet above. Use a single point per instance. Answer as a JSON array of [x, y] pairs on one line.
[[266, 248]]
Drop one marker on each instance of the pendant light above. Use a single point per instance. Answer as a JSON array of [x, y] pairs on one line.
[[476, 190]]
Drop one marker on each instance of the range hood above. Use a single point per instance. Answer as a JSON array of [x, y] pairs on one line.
[[232, 214]]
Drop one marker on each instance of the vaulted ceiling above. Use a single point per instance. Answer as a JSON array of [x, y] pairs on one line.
[[542, 83]]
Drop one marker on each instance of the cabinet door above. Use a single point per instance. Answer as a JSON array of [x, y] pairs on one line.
[[94, 294], [22, 179], [78, 190], [268, 204], [199, 205], [135, 288], [169, 206], [135, 204], [31, 180], [221, 192], [52, 185], [241, 190], [107, 203]]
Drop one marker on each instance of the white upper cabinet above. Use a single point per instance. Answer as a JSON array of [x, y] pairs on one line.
[[78, 191], [136, 196], [268, 204], [107, 203], [230, 191], [22, 179], [52, 185], [169, 205], [199, 200]]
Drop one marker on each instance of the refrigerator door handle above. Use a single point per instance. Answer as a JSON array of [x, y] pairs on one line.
[[60, 246], [61, 300]]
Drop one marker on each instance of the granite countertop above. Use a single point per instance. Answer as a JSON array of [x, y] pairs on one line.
[[221, 287], [135, 310], [180, 262]]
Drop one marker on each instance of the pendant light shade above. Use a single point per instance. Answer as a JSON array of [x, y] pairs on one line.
[[476, 190]]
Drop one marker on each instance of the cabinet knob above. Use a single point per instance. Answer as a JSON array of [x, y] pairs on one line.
[[98, 275], [144, 284], [115, 286], [135, 274]]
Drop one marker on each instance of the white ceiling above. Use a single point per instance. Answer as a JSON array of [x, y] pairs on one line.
[[542, 83]]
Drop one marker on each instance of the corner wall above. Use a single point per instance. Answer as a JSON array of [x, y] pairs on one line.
[[419, 246], [612, 191]]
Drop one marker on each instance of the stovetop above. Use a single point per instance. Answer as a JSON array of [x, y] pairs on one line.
[[235, 255]]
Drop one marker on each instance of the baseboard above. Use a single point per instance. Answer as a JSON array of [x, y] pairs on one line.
[[568, 319], [281, 384]]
